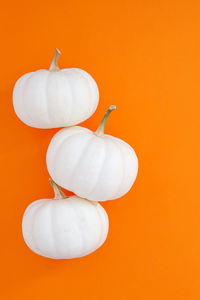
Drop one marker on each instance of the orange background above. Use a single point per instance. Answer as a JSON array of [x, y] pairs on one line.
[[145, 57]]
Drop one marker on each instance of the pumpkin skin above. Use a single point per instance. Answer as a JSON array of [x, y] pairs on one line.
[[55, 98], [95, 167], [64, 228]]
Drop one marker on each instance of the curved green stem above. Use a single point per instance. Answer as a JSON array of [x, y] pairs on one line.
[[59, 194], [54, 62], [100, 130]]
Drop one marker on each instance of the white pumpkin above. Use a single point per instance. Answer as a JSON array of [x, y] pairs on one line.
[[93, 165], [64, 227], [55, 98]]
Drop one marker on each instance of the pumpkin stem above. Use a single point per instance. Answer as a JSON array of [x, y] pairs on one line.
[[54, 62], [100, 130], [59, 194]]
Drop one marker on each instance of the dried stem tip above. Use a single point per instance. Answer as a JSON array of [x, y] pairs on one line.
[[100, 130], [59, 194], [54, 62]]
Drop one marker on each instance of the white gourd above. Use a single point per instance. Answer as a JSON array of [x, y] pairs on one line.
[[55, 98], [93, 165], [64, 227]]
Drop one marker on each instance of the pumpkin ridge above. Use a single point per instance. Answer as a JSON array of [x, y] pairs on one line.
[[124, 157], [123, 172], [80, 158], [95, 87], [52, 209], [27, 79], [79, 229], [71, 97], [18, 99], [99, 172], [79, 71], [46, 100], [33, 225], [101, 222], [57, 147], [105, 222], [26, 88], [26, 214], [46, 120]]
